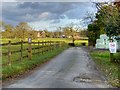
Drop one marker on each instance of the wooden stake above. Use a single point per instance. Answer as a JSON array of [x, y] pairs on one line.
[[9, 53]]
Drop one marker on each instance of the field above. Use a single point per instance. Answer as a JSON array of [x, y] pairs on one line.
[[111, 70], [78, 42]]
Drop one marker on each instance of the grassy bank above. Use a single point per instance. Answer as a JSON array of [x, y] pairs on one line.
[[21, 67], [110, 70]]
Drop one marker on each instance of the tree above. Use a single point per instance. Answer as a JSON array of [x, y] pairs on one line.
[[108, 16], [89, 18], [93, 33], [45, 33], [56, 34], [8, 31], [94, 28], [66, 31], [2, 26], [107, 21], [83, 33], [22, 30], [50, 34], [33, 34], [70, 31]]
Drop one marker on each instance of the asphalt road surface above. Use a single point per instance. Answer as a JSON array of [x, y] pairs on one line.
[[71, 69]]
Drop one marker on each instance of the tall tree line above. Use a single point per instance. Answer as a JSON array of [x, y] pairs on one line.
[[23, 30], [107, 21]]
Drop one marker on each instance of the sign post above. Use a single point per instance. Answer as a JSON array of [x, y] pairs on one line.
[[112, 49], [29, 48], [29, 40]]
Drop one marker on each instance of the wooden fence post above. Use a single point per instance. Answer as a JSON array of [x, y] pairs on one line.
[[45, 47], [9, 52], [42, 47], [54, 44], [57, 44], [34, 46], [21, 56], [38, 47], [60, 44], [29, 50], [50, 46], [111, 54]]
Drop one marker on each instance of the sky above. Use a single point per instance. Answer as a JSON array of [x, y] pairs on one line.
[[46, 15]]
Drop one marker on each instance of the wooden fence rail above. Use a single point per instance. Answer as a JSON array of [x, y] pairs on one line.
[[26, 50]]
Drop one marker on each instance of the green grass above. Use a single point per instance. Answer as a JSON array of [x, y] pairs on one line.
[[15, 56], [20, 67], [78, 42], [4, 40], [53, 39], [25, 46], [110, 70]]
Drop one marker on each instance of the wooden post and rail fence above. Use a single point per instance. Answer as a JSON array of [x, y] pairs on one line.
[[26, 50]]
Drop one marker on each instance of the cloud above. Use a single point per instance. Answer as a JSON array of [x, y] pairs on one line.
[[52, 25], [80, 11], [58, 0], [10, 11], [44, 15], [46, 0], [56, 21], [9, 1], [48, 14], [58, 8]]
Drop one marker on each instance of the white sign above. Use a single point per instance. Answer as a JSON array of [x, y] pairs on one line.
[[112, 47], [29, 40]]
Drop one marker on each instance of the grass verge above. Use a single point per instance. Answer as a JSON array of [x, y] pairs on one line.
[[111, 70], [23, 66]]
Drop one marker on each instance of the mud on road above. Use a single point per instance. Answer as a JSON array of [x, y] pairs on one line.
[[73, 68]]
